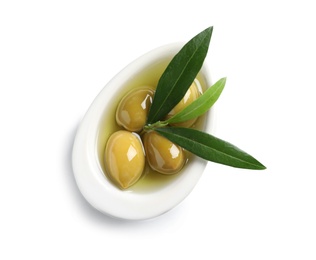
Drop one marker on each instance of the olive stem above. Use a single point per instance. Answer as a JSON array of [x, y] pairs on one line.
[[155, 125]]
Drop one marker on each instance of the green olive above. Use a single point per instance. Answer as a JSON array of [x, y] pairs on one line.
[[162, 155], [124, 158], [132, 110], [191, 95]]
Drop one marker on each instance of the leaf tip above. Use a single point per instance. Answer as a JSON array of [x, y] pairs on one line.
[[223, 81], [263, 167], [260, 166], [210, 28]]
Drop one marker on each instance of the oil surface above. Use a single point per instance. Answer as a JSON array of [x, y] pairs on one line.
[[150, 179]]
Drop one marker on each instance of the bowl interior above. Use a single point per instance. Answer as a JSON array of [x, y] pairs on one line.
[[148, 75]]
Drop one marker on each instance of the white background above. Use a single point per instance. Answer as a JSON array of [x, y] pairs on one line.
[[56, 56]]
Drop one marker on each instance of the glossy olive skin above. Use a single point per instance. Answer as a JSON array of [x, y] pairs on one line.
[[191, 95], [162, 155], [124, 158], [133, 108]]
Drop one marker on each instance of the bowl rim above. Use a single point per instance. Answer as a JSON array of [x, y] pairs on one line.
[[89, 176]]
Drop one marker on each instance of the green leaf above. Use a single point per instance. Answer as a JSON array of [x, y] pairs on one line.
[[179, 75], [210, 148], [201, 104]]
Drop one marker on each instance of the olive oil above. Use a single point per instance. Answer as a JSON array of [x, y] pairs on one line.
[[149, 77]]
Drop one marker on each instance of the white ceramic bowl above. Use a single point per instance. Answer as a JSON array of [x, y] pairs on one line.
[[99, 191]]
